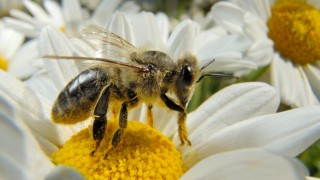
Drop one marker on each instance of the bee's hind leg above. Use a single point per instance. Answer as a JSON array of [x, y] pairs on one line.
[[100, 119]]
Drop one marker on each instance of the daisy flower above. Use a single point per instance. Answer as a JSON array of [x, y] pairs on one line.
[[68, 17], [225, 145], [15, 55], [10, 42], [281, 33], [53, 14]]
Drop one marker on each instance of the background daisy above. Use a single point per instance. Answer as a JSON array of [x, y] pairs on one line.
[[17, 57], [273, 29], [69, 17], [10, 42]]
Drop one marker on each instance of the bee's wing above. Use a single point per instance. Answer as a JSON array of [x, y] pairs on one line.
[[106, 43]]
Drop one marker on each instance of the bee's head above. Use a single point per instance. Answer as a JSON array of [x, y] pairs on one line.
[[187, 76]]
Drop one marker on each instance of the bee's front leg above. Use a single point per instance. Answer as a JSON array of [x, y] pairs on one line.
[[100, 119], [183, 133]]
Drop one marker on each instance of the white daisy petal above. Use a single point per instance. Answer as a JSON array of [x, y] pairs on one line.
[[313, 74], [10, 169], [53, 42], [214, 114], [20, 15], [216, 109], [147, 37], [129, 7], [6, 108], [261, 8], [278, 76], [228, 62], [309, 97], [260, 52], [292, 132], [163, 23], [10, 41], [22, 27], [73, 17], [54, 11], [231, 16], [72, 11], [247, 164], [229, 43], [21, 64], [33, 110], [19, 150], [37, 11], [104, 11], [64, 173], [165, 120], [253, 27], [291, 83], [183, 38], [81, 48], [44, 87], [120, 25]]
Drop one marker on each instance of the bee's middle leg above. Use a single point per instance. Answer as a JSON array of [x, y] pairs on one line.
[[100, 120], [123, 122], [150, 116]]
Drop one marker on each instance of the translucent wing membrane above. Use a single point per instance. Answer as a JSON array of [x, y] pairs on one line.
[[109, 62], [107, 43]]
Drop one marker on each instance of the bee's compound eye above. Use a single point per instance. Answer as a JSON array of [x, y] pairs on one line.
[[187, 74]]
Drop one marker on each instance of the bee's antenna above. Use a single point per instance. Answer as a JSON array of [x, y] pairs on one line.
[[218, 75], [207, 64]]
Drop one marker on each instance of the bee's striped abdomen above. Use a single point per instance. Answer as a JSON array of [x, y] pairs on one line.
[[76, 102]]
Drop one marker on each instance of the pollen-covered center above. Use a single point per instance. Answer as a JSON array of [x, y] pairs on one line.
[[3, 63], [294, 26], [143, 153]]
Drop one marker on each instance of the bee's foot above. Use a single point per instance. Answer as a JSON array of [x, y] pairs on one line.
[[189, 142], [92, 153], [105, 157], [185, 140]]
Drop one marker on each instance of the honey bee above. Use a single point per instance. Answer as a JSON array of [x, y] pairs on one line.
[[148, 77]]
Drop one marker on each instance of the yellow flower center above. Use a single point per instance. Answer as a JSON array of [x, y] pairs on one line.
[[294, 26], [62, 29], [3, 63], [143, 153]]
